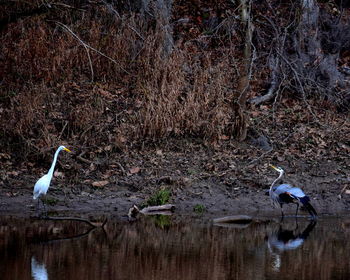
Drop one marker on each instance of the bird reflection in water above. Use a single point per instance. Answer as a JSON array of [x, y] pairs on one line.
[[286, 240], [39, 271]]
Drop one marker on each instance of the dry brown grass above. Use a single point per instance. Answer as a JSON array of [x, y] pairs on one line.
[[49, 96], [184, 94]]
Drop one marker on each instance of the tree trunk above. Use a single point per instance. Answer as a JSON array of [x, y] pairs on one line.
[[318, 61], [161, 11], [239, 106]]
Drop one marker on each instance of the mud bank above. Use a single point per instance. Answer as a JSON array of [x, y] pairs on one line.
[[223, 181]]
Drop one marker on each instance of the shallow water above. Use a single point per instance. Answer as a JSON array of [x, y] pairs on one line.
[[170, 247]]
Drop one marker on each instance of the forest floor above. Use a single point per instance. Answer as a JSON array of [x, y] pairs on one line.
[[219, 178]]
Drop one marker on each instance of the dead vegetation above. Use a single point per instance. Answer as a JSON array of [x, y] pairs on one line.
[[100, 77], [103, 76]]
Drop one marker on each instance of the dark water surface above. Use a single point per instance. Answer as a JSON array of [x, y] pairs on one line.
[[166, 247]]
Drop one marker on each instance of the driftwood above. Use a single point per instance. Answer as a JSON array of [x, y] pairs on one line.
[[165, 209], [92, 224], [153, 209]]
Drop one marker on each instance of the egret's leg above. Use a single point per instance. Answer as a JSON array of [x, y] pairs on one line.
[[38, 207], [45, 210]]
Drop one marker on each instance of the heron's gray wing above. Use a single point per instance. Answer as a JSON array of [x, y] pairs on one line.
[[282, 189], [297, 192]]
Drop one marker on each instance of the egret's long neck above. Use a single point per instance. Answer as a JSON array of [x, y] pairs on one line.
[[52, 168], [274, 182]]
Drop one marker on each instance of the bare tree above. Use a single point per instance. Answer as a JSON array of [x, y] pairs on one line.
[[306, 54], [239, 106]]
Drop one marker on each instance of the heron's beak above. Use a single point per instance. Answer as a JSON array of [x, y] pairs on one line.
[[67, 150], [274, 167]]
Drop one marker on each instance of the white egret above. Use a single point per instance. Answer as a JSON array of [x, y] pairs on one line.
[[39, 271], [43, 184]]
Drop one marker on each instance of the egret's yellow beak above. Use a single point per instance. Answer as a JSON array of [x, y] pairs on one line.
[[67, 150]]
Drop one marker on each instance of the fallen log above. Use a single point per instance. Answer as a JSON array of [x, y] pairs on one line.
[[165, 209], [154, 209]]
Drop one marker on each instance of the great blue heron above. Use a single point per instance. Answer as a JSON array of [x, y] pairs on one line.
[[285, 193], [285, 239], [42, 185]]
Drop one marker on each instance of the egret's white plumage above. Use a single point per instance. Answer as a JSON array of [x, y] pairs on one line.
[[39, 271], [42, 185]]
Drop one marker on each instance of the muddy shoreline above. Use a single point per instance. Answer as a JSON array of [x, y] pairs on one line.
[[223, 181]]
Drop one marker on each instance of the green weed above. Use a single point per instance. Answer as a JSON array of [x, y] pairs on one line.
[[162, 221], [161, 197], [199, 208]]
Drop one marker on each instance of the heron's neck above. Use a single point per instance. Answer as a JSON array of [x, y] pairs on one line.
[[52, 168], [274, 182]]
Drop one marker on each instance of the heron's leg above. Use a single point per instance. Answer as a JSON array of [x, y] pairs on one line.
[[296, 212], [282, 214]]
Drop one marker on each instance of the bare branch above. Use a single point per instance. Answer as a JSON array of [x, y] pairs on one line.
[[111, 8], [86, 46], [92, 224]]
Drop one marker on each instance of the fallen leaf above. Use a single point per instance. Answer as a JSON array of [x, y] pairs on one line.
[[56, 230], [108, 148], [100, 183], [280, 158], [224, 137], [255, 114], [135, 170], [58, 174], [5, 156]]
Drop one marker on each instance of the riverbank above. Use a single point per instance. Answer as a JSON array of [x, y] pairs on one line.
[[228, 179]]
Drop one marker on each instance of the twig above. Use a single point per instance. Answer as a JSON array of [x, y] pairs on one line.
[[72, 237], [274, 66], [296, 75], [64, 127], [121, 168], [86, 46], [260, 157], [66, 6], [80, 157], [75, 219], [342, 191], [109, 6]]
